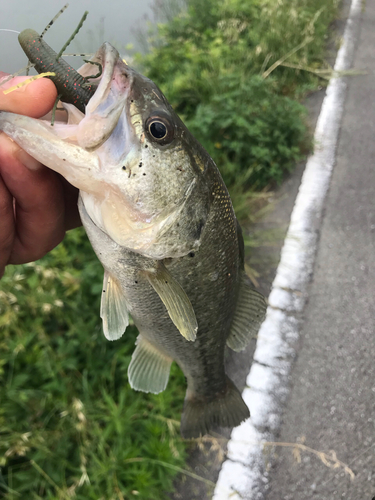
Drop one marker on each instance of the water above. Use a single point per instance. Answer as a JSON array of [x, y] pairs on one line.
[[114, 21]]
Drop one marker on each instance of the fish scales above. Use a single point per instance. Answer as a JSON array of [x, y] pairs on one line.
[[161, 221], [213, 300]]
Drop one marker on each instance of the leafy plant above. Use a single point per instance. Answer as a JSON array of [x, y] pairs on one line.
[[253, 133]]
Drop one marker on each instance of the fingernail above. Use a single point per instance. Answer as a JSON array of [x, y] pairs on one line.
[[27, 160]]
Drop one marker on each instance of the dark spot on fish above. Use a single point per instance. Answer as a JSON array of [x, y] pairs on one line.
[[146, 145], [153, 156], [198, 230], [144, 174], [140, 164], [103, 291], [135, 281], [191, 254], [180, 169], [124, 168], [132, 100], [178, 224], [64, 159], [167, 282]]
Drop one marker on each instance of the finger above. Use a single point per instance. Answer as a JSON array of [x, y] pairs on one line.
[[34, 99], [7, 226], [40, 215]]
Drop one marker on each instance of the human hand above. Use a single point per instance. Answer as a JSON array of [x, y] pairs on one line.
[[37, 206]]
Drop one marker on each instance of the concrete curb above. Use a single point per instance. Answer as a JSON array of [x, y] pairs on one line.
[[243, 475]]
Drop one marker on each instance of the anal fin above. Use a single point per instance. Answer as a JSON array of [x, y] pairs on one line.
[[113, 309], [175, 300], [249, 314], [148, 369]]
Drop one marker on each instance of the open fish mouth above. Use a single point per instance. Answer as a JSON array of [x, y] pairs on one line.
[[79, 143], [84, 89], [105, 107], [111, 88]]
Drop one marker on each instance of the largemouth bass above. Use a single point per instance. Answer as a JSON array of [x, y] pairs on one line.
[[161, 222]]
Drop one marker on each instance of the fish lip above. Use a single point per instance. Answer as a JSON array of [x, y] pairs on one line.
[[104, 109], [113, 68]]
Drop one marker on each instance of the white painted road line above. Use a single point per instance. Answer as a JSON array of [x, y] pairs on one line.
[[243, 475]]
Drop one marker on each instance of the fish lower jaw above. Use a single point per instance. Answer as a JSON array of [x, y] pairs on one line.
[[145, 234], [138, 233]]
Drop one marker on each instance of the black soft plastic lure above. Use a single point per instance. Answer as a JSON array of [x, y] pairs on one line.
[[71, 86]]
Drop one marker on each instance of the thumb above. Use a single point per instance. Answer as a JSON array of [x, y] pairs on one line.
[[34, 99]]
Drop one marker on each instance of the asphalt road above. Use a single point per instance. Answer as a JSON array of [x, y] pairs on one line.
[[331, 405]]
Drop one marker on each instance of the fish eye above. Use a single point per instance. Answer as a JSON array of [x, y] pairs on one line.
[[160, 129]]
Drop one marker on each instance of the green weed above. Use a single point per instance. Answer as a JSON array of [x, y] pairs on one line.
[[69, 422]]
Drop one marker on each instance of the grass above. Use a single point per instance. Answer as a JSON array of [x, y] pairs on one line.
[[70, 426], [69, 422], [329, 459]]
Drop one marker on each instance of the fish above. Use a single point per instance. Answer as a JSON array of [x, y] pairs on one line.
[[160, 219]]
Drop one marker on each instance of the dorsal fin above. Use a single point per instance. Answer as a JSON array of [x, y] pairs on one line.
[[175, 300], [113, 309], [249, 314]]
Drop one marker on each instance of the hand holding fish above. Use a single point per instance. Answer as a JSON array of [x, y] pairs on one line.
[[37, 205]]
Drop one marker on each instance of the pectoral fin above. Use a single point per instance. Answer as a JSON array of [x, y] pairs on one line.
[[113, 309], [175, 300], [249, 314], [149, 368]]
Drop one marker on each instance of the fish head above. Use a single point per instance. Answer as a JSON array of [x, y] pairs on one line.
[[141, 174], [152, 196]]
